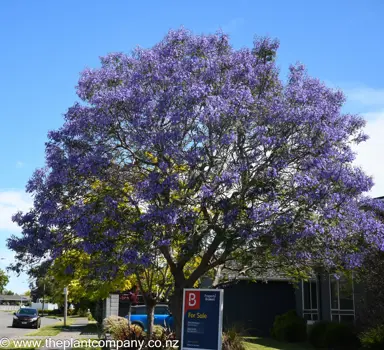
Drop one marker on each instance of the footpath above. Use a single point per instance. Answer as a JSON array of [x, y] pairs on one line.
[[77, 331]]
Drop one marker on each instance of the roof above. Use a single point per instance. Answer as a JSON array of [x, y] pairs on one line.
[[138, 305], [6, 297], [250, 279]]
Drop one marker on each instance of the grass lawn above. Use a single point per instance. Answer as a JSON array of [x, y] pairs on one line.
[[50, 330], [35, 344], [21, 344], [255, 343]]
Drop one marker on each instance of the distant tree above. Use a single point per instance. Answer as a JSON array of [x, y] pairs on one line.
[[8, 292], [4, 279]]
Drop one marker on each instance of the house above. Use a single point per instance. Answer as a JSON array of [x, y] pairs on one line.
[[252, 304], [14, 299], [328, 298]]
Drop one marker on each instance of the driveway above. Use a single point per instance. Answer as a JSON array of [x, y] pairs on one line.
[[6, 331]]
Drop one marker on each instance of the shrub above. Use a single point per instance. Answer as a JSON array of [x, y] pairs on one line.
[[316, 336], [49, 312], [341, 336], [82, 312], [373, 338], [70, 312], [158, 332], [96, 309], [289, 327], [333, 335], [113, 323], [125, 332], [162, 334], [232, 340]]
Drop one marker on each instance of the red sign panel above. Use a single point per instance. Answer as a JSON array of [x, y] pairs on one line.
[[192, 300]]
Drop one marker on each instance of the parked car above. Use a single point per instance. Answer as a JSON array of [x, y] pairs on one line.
[[26, 317], [162, 316]]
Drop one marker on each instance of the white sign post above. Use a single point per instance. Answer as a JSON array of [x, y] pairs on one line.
[[65, 305]]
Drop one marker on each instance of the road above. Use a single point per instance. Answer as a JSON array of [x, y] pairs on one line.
[[6, 331]]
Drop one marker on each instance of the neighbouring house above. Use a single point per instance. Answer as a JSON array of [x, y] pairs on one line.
[[14, 299]]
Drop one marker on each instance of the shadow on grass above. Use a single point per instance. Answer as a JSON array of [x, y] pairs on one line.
[[47, 330], [270, 343], [50, 330], [90, 329]]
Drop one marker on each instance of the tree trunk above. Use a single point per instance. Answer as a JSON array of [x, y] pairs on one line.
[[150, 317], [177, 310]]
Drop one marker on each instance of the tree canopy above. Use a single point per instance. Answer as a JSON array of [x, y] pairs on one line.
[[4, 279], [203, 152]]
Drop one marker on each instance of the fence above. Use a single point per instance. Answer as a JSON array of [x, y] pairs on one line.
[[47, 306], [9, 307]]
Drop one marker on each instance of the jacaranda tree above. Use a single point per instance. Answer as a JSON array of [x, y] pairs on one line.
[[205, 153]]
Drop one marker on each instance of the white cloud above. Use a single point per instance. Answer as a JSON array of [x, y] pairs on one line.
[[368, 102], [366, 96], [6, 257], [370, 154], [11, 201], [19, 164]]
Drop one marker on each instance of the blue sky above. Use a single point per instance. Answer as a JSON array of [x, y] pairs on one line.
[[45, 44]]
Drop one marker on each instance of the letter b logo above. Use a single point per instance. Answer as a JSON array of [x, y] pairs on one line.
[[192, 300]]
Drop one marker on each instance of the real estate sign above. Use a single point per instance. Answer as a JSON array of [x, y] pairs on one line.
[[202, 319]]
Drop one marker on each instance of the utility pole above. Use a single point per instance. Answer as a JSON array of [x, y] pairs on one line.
[[43, 297], [65, 305]]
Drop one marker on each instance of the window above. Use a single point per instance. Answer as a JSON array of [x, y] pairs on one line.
[[142, 310], [161, 310], [139, 310], [342, 301], [310, 300], [27, 311]]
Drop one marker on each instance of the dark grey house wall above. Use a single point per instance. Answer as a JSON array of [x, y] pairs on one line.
[[324, 298], [299, 298], [253, 306], [361, 299]]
